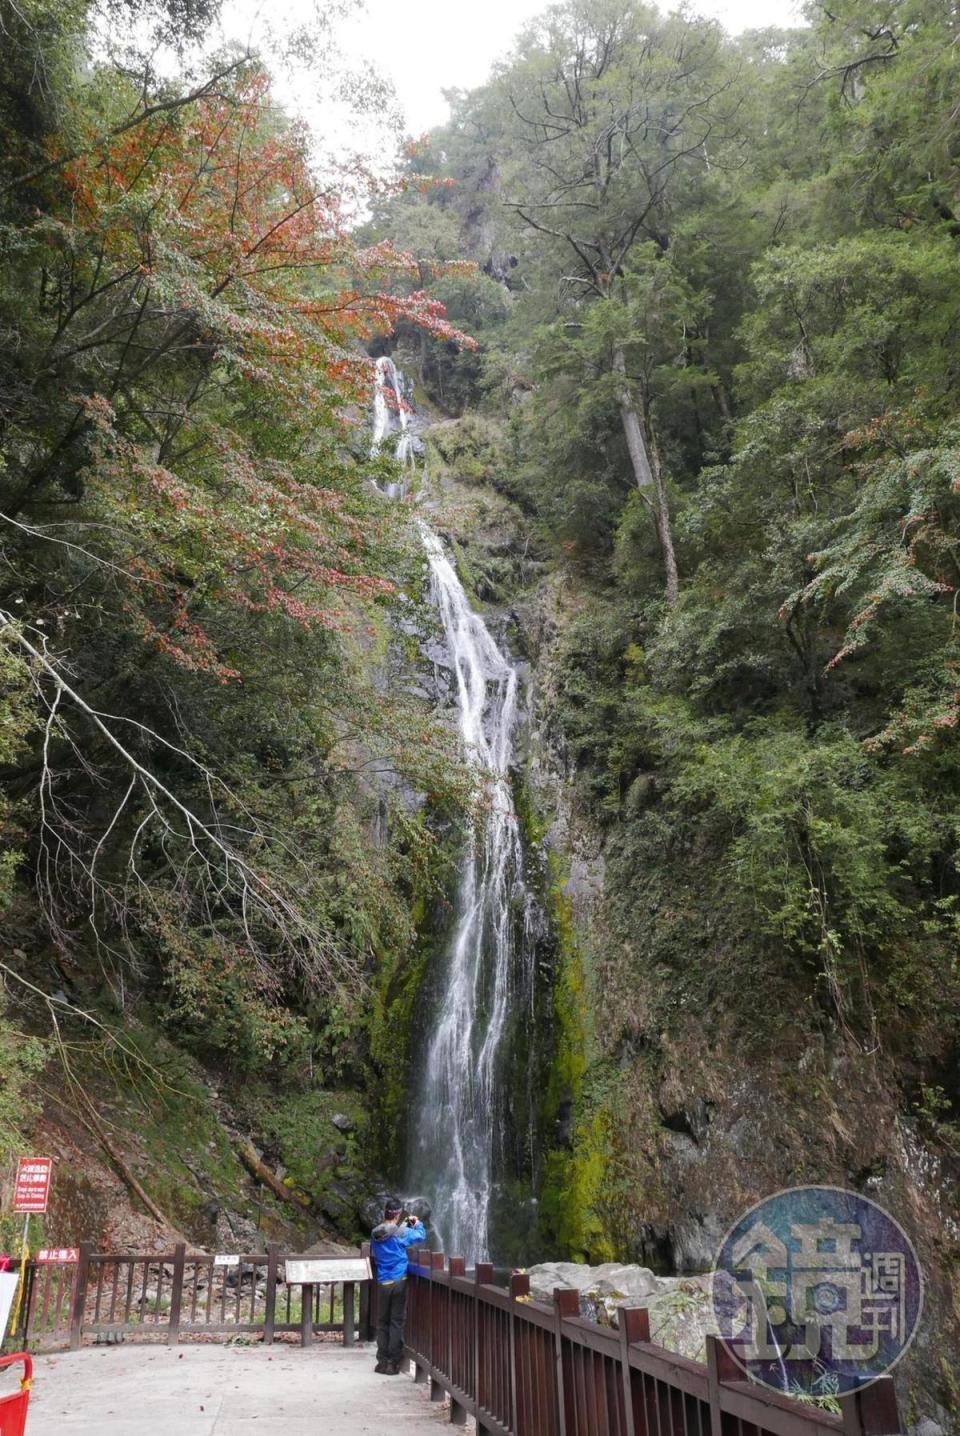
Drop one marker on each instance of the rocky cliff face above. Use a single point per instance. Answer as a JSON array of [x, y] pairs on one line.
[[674, 1099]]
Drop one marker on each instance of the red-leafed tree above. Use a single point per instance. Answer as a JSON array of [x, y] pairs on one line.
[[204, 280], [198, 553]]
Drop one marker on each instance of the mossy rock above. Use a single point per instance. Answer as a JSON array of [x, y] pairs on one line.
[[299, 1137]]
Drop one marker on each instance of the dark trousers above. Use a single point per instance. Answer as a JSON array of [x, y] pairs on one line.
[[392, 1311]]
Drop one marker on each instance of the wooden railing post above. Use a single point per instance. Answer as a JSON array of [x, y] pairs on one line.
[[428, 1324], [176, 1292], [566, 1302], [720, 1367], [364, 1332], [458, 1413], [482, 1276], [419, 1258], [519, 1286], [437, 1391], [373, 1310], [872, 1411], [348, 1321], [426, 1265], [79, 1297], [270, 1296], [306, 1314], [634, 1324]]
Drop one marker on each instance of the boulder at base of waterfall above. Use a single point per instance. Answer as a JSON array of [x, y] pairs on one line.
[[418, 1207], [610, 1279], [621, 1279], [371, 1209], [682, 1315], [681, 1308]]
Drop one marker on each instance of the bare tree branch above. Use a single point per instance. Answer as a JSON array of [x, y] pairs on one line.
[[207, 866]]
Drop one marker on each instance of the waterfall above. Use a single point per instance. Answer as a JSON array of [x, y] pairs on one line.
[[458, 1112], [391, 417], [457, 1122]]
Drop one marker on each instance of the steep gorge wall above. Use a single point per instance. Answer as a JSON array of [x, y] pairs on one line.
[[675, 1092]]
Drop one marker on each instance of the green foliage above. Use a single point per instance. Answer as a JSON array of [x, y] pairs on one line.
[[216, 999], [833, 854], [17, 722], [143, 1084], [891, 571], [877, 308], [574, 1177], [296, 1132], [395, 1015], [21, 1058]]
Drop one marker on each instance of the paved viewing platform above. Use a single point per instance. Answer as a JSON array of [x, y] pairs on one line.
[[207, 1390]]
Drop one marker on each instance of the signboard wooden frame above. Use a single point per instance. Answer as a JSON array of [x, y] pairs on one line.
[[309, 1271]]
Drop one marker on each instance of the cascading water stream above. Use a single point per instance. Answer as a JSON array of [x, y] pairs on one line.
[[456, 1119], [391, 418], [458, 1109]]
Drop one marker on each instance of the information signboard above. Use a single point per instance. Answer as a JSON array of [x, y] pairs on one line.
[[31, 1191], [316, 1270], [54, 1256]]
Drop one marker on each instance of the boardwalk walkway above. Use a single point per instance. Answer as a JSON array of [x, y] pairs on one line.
[[226, 1391]]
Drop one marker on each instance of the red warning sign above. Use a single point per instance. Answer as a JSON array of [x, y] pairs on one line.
[[32, 1190]]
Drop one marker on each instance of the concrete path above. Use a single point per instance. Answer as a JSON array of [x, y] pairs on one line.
[[225, 1391]]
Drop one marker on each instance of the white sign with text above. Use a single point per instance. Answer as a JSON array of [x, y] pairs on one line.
[[310, 1270]]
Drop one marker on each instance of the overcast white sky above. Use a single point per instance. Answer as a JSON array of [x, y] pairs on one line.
[[427, 46]]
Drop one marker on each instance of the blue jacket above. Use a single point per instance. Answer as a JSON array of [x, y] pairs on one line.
[[388, 1247]]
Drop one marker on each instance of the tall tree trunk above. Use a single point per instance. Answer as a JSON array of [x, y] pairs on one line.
[[648, 476], [722, 402], [664, 528]]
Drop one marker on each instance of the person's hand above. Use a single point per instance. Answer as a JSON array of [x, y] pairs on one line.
[[412, 1221]]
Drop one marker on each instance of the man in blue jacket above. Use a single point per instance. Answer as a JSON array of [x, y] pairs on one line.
[[388, 1247]]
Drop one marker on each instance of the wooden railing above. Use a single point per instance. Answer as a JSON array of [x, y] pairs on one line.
[[521, 1368], [176, 1294]]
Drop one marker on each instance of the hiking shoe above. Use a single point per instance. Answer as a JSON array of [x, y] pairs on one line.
[[383, 1368], [393, 1368]]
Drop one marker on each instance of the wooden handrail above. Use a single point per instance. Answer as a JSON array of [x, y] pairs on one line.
[[540, 1370], [177, 1293], [519, 1367]]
